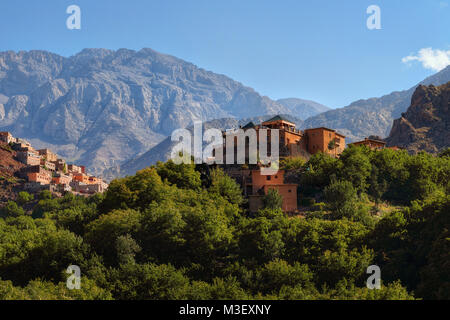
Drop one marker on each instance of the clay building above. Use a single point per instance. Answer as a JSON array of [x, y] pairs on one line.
[[48, 155], [48, 165], [256, 186], [324, 140], [293, 142], [40, 175], [30, 158], [74, 169], [371, 143], [81, 177], [6, 137], [60, 178]]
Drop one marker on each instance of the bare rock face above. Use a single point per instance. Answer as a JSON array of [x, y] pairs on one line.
[[101, 107], [426, 124]]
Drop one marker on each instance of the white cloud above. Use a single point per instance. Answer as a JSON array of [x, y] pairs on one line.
[[431, 59]]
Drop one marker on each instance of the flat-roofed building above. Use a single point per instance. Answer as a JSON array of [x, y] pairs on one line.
[[6, 137], [325, 140], [48, 155], [29, 158], [81, 177], [48, 165], [259, 185], [60, 178], [74, 169], [373, 144], [41, 176]]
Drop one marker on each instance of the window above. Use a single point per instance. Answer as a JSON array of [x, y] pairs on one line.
[[289, 190], [269, 178]]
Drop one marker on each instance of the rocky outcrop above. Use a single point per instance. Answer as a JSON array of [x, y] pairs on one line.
[[425, 126]]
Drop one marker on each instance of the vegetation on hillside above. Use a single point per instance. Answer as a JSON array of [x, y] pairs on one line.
[[180, 232]]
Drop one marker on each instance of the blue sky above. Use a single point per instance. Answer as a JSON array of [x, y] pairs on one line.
[[319, 50]]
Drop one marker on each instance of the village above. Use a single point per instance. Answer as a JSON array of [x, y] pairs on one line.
[[292, 143], [44, 170]]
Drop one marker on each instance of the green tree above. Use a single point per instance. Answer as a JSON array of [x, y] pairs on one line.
[[11, 210], [126, 249], [341, 198], [273, 200], [184, 176], [24, 197], [223, 185], [356, 167]]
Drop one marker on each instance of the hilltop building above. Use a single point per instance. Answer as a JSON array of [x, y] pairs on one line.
[[292, 143], [6, 137], [373, 144]]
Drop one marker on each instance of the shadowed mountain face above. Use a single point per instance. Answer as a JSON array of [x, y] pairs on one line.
[[372, 116], [101, 107], [425, 126]]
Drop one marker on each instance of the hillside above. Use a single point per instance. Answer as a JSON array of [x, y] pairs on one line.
[[9, 184], [101, 107], [373, 116], [426, 124]]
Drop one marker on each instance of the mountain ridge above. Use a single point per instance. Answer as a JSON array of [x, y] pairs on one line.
[[100, 107]]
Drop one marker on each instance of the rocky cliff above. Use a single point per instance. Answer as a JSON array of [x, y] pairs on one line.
[[426, 124]]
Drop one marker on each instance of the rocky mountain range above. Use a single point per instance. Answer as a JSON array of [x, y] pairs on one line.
[[101, 107], [425, 126], [303, 108], [373, 116]]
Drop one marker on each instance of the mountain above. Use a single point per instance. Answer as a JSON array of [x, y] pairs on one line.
[[372, 116], [303, 109], [101, 107], [161, 152], [425, 126]]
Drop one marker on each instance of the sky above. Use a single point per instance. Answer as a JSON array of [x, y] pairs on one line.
[[320, 50]]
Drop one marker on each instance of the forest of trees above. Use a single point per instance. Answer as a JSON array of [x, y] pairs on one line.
[[183, 232]]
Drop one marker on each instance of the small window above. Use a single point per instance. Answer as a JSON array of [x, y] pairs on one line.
[[289, 190], [269, 178]]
